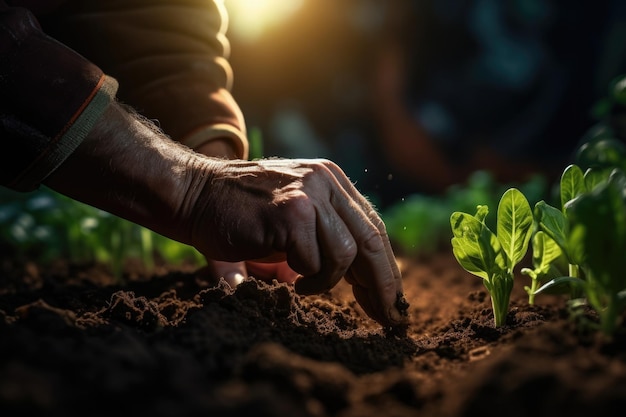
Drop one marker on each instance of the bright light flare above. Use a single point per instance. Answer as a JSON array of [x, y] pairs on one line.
[[250, 18]]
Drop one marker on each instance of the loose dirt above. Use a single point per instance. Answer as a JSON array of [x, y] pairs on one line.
[[74, 341]]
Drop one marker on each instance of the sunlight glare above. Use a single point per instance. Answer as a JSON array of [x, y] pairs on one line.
[[250, 18]]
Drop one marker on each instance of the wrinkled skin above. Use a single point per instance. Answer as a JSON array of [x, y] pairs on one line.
[[304, 212], [235, 272]]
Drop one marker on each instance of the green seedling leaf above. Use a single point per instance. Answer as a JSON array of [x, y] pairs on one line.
[[545, 252], [596, 176], [618, 178], [481, 213], [603, 152], [572, 184], [515, 219], [475, 247], [561, 285], [555, 225], [599, 226]]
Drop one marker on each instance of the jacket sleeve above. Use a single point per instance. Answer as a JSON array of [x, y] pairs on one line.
[[50, 98], [169, 57]]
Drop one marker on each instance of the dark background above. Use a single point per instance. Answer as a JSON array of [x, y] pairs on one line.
[[520, 77]]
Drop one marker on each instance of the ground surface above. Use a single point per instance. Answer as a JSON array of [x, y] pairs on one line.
[[72, 343]]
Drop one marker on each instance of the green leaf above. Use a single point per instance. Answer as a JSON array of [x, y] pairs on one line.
[[481, 213], [475, 247], [561, 285], [599, 226], [554, 223], [603, 152], [545, 251], [596, 176], [572, 184], [515, 219]]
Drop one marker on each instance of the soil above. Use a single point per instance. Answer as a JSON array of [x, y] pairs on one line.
[[75, 341]]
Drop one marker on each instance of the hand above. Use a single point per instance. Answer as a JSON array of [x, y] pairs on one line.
[[306, 212], [235, 272]]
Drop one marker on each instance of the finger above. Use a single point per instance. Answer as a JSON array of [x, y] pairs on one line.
[[374, 267], [280, 271], [337, 249], [232, 272], [363, 297]]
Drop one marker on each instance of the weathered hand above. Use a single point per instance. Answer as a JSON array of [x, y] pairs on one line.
[[306, 212], [235, 272]]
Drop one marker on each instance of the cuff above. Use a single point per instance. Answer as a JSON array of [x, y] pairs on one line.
[[71, 137], [219, 131]]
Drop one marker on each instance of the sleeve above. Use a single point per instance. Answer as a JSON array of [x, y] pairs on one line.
[[169, 57], [50, 98]]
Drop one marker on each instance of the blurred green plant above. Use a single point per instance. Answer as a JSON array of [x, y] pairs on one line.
[[255, 139], [590, 231], [420, 224], [47, 225]]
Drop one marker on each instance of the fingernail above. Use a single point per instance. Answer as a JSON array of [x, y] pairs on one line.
[[233, 279], [396, 317], [399, 313]]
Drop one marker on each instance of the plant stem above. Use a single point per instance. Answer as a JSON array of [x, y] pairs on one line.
[[574, 271], [500, 289], [534, 284]]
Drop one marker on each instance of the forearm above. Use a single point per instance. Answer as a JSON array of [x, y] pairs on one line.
[[128, 168]]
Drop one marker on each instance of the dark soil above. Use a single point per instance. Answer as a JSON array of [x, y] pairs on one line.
[[73, 342]]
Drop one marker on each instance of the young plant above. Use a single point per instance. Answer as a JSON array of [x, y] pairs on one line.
[[555, 224], [490, 256], [591, 231], [545, 254]]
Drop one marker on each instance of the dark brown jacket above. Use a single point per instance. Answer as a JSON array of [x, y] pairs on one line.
[[62, 62]]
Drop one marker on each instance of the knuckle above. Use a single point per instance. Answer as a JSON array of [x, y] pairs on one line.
[[378, 222], [345, 254], [328, 164], [373, 242], [298, 209]]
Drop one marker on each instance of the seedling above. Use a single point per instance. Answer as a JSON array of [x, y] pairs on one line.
[[545, 254], [490, 256], [591, 232], [555, 225]]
